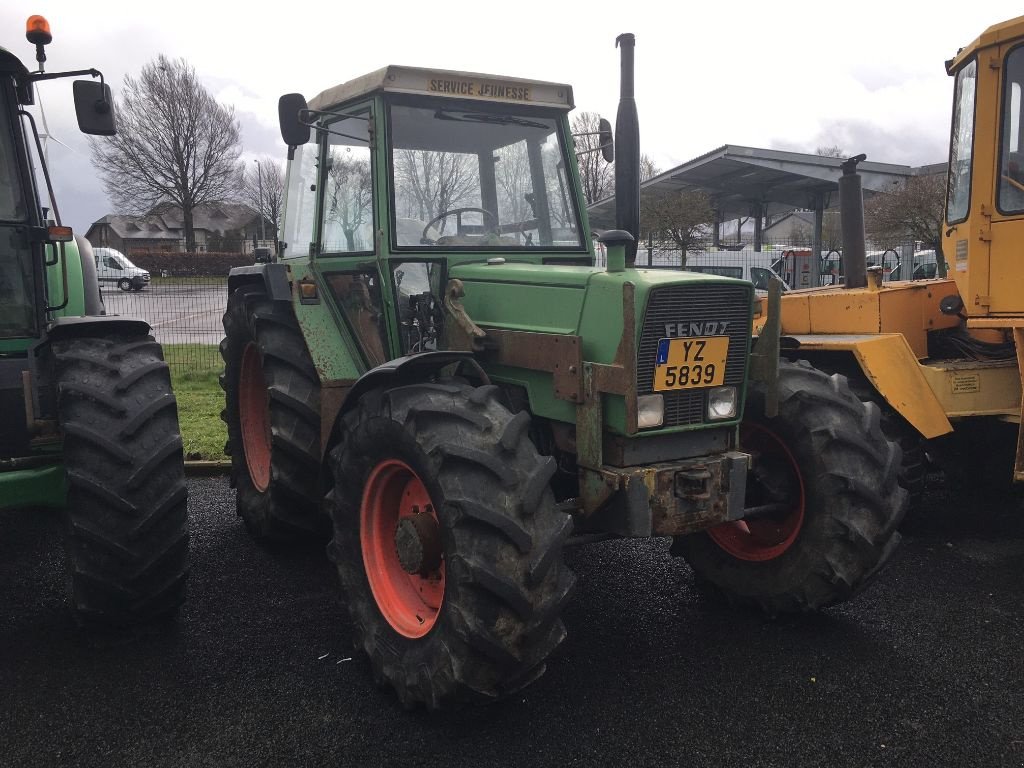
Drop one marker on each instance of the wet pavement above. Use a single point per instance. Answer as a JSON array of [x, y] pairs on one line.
[[925, 668]]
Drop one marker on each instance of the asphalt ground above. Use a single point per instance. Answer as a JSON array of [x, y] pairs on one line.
[[923, 669], [188, 312]]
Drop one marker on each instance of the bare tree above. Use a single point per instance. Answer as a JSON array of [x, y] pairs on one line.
[[913, 209], [175, 144], [648, 168], [349, 201], [682, 219], [596, 175], [833, 151], [430, 183], [270, 202]]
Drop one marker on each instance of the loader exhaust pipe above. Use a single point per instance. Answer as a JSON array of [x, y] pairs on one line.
[[627, 151], [851, 217]]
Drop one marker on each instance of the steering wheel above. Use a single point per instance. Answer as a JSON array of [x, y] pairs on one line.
[[457, 212]]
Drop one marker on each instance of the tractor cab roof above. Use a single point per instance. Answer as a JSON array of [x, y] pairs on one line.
[[456, 85], [11, 64]]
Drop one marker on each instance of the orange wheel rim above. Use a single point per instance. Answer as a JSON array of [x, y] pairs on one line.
[[766, 538], [254, 415], [399, 534]]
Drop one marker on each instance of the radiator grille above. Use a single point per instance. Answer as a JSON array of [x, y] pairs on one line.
[[685, 304]]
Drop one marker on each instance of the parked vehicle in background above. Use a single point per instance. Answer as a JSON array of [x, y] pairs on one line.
[[743, 265], [923, 267], [112, 266]]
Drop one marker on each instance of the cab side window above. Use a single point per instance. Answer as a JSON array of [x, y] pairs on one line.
[[348, 187], [1011, 161]]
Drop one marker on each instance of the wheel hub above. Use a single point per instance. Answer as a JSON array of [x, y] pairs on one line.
[[418, 541]]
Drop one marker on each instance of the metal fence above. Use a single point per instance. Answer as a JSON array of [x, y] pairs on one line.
[[795, 265], [185, 313], [185, 305]]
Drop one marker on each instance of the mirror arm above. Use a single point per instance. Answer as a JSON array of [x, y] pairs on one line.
[[37, 76], [593, 149]]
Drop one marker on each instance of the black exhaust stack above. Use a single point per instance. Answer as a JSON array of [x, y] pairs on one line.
[[627, 151], [851, 217]]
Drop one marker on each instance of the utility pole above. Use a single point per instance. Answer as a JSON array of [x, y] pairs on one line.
[[259, 173]]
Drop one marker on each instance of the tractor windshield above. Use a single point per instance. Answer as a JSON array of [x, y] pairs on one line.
[[17, 317], [480, 176]]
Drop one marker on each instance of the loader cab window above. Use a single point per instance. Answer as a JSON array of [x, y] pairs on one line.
[[480, 176], [961, 145], [1011, 157]]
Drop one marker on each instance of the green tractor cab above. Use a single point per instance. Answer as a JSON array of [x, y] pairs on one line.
[[438, 375], [90, 423]]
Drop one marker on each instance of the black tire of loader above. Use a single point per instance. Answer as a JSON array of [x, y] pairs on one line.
[[288, 510], [854, 501], [502, 536], [914, 465], [126, 518]]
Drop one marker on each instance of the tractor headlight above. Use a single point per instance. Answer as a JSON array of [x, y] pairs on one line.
[[650, 411], [722, 403]]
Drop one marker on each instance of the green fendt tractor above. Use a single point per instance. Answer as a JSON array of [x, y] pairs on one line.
[[437, 370], [90, 425]]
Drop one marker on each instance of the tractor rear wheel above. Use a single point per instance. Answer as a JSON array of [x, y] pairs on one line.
[[448, 543], [827, 478], [272, 412], [126, 517]]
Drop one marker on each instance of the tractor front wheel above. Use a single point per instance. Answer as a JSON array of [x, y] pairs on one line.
[[272, 412], [448, 543], [126, 518], [824, 479]]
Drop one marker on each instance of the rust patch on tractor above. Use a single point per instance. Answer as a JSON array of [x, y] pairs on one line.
[[332, 396], [558, 354]]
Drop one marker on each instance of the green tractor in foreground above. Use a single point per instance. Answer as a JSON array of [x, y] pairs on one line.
[[90, 426], [437, 374]]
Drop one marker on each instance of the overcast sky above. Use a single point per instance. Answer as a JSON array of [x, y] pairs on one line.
[[866, 76]]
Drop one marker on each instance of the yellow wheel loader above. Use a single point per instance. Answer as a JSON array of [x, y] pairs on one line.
[[944, 358]]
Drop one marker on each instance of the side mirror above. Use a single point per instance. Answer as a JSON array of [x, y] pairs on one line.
[[94, 107], [606, 140], [290, 111]]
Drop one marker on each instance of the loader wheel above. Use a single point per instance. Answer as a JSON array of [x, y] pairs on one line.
[[126, 518], [448, 543], [272, 412], [832, 477], [914, 466]]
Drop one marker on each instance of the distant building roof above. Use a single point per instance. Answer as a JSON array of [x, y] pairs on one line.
[[165, 221], [736, 178]]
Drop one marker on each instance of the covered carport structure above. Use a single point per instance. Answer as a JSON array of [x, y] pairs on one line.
[[747, 181]]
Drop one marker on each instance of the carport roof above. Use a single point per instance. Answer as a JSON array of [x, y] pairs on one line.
[[738, 177]]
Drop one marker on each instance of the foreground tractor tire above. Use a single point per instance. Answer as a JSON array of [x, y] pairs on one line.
[[831, 476], [448, 543], [272, 412], [127, 530]]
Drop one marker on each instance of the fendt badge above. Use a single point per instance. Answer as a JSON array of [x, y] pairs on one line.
[[709, 328]]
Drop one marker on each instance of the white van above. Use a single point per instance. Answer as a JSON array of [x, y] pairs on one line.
[[744, 265], [112, 266]]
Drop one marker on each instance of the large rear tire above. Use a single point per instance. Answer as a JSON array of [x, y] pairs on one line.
[[448, 543], [272, 413], [127, 529], [826, 466]]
